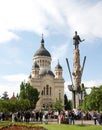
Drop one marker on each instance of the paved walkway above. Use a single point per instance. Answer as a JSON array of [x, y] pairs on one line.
[[85, 122], [80, 122]]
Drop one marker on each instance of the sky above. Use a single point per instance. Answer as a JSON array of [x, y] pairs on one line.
[[22, 23]]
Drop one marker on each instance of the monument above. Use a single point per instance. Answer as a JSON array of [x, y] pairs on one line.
[[77, 87]]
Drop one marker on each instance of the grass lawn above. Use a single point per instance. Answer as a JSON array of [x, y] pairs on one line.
[[56, 126], [71, 127]]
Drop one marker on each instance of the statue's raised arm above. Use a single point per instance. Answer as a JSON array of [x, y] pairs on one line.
[[77, 40]]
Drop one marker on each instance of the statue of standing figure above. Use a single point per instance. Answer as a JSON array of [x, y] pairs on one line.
[[77, 40]]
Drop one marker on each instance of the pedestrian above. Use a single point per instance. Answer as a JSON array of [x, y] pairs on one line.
[[59, 119], [95, 117]]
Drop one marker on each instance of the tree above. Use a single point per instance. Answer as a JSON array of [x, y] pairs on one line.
[[14, 105], [70, 105], [23, 90], [5, 95], [26, 100], [93, 101], [58, 105], [4, 105], [23, 104], [30, 93], [67, 104]]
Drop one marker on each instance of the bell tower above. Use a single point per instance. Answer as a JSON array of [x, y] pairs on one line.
[[58, 71]]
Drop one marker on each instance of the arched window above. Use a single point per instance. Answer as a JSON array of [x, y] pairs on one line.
[[43, 105], [44, 91], [50, 90], [47, 89], [43, 62], [59, 96]]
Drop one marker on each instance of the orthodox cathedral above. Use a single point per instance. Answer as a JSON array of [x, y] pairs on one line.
[[49, 84]]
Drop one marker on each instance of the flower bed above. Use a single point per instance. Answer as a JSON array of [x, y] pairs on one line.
[[21, 126]]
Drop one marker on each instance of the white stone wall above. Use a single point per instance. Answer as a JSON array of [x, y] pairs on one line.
[[57, 87]]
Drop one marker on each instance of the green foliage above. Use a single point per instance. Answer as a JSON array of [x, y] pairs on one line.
[[93, 101], [5, 95], [30, 93], [70, 105], [24, 104], [67, 104], [14, 105], [27, 99], [23, 90], [58, 105], [4, 105]]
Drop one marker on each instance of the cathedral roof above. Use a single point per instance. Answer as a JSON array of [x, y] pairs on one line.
[[42, 51], [44, 71]]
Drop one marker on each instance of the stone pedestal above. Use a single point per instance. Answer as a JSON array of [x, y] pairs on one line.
[[76, 77]]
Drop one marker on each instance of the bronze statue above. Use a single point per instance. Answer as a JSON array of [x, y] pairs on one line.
[[77, 40]]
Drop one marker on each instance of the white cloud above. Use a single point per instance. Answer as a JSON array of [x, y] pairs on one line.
[[59, 52], [15, 78], [89, 84], [47, 15], [93, 83], [7, 36], [20, 15], [10, 89], [11, 83], [85, 18]]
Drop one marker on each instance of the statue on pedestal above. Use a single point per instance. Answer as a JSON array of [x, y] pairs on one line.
[[76, 75], [77, 40]]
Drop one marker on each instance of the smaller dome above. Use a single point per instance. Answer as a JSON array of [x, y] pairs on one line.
[[51, 73], [58, 66], [35, 65]]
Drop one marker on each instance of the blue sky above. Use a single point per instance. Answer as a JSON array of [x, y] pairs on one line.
[[22, 23]]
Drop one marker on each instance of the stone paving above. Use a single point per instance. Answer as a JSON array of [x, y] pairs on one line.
[[85, 122], [79, 122]]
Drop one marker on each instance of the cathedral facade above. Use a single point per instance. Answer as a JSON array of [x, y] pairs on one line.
[[49, 84]]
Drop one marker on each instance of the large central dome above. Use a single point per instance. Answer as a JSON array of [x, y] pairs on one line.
[[42, 51]]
